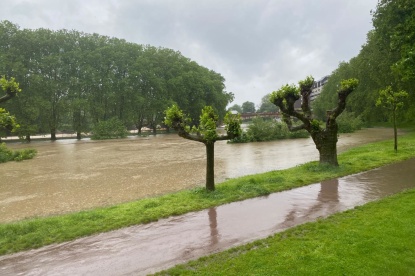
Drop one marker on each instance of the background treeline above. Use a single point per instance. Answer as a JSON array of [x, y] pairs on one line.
[[71, 81], [387, 58]]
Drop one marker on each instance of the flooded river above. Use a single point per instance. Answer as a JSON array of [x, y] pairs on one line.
[[144, 249], [70, 175]]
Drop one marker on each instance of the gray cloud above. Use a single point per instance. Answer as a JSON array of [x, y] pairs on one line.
[[257, 45]]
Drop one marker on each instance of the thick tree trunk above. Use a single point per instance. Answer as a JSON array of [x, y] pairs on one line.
[[28, 139], [78, 135], [326, 144], [210, 166]]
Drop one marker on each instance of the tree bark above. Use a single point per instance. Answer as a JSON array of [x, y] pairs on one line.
[[78, 135], [395, 132], [53, 134], [326, 144], [210, 166]]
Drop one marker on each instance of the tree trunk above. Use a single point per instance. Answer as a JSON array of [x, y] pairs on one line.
[[326, 144], [395, 132], [28, 139], [53, 134], [154, 129], [78, 135], [210, 166]]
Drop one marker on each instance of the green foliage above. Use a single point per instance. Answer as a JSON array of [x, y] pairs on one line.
[[9, 85], [74, 80], [306, 83], [248, 107], [286, 91], [266, 105], [7, 123], [387, 58], [7, 154], [236, 107], [349, 84], [110, 129], [348, 122], [268, 130], [206, 129], [207, 124], [391, 100], [233, 124]]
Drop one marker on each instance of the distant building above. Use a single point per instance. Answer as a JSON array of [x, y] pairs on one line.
[[318, 87]]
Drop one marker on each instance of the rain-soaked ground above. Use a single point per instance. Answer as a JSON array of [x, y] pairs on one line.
[[152, 247], [70, 175]]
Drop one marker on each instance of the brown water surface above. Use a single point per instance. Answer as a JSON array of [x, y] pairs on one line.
[[70, 175], [152, 247]]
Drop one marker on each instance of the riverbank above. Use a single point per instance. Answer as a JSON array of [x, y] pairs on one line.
[[374, 239], [35, 233]]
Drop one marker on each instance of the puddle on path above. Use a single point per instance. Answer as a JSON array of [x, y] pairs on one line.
[[152, 247]]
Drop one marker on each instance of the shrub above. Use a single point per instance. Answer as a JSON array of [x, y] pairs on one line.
[[112, 128], [7, 154], [268, 130], [348, 122]]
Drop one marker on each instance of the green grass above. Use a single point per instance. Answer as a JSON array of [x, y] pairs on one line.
[[375, 239], [34, 233]]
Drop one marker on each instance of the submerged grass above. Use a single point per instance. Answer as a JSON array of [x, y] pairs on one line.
[[34, 233], [375, 239]]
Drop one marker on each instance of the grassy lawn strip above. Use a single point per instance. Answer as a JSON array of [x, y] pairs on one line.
[[375, 239], [34, 233]]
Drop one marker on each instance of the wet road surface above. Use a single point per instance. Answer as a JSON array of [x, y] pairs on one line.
[[152, 247]]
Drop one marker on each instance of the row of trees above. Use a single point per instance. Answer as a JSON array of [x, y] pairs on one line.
[[387, 59], [72, 81]]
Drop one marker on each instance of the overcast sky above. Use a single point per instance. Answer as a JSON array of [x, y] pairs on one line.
[[257, 45]]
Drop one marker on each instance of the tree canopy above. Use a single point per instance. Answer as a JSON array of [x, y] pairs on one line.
[[204, 132], [387, 58], [74, 80]]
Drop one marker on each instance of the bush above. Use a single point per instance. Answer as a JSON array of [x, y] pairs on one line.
[[112, 128], [348, 122], [7, 154], [268, 130]]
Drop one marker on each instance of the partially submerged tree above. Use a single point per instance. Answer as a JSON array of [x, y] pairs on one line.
[[392, 101], [325, 139], [204, 133]]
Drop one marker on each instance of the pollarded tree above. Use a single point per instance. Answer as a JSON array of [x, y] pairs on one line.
[[392, 101], [325, 139], [204, 133]]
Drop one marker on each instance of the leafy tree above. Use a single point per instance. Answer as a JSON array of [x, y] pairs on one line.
[[266, 105], [7, 121], [112, 128], [10, 87], [236, 107], [248, 107], [204, 133], [325, 139], [392, 101]]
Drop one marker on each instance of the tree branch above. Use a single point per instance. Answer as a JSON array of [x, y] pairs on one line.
[[9, 95]]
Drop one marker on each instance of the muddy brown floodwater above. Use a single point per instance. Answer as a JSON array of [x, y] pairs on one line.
[[149, 248], [70, 175]]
